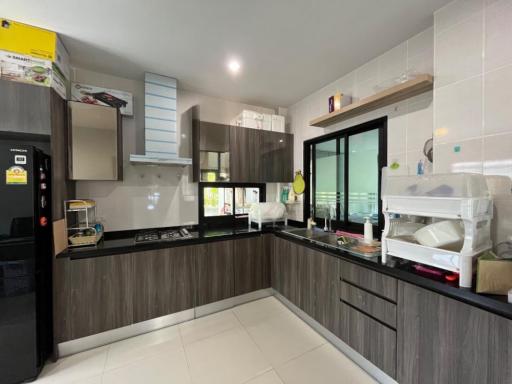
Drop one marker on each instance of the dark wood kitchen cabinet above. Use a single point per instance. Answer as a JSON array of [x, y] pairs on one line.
[[441, 340], [372, 339], [284, 268], [93, 295], [251, 264], [38, 116], [164, 281], [215, 272], [244, 155], [276, 157]]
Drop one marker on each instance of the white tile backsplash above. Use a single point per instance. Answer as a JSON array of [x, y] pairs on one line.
[[459, 51], [498, 101], [498, 155], [465, 156], [458, 111], [455, 12], [498, 34], [393, 63]]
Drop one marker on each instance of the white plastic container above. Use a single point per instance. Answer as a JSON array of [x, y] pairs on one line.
[[446, 234], [278, 123], [368, 231], [463, 197]]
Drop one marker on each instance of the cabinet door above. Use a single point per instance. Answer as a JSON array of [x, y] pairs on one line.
[[441, 340], [244, 153], [327, 307], [252, 265], [215, 274], [24, 108], [284, 274], [99, 295], [305, 277], [276, 156], [164, 281], [370, 338]]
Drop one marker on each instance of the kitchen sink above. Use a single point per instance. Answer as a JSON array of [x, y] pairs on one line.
[[329, 240]]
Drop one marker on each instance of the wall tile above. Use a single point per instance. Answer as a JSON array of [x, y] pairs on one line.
[[397, 129], [468, 157], [498, 101], [458, 111], [455, 12], [420, 121], [459, 51], [498, 155], [498, 32], [367, 71], [420, 52], [393, 63]]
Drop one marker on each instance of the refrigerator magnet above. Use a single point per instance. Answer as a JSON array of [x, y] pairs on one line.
[[16, 175]]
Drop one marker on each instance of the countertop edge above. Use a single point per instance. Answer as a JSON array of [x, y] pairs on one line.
[[464, 295]]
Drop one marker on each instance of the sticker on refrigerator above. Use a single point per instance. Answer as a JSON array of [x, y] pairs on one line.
[[16, 175], [20, 159]]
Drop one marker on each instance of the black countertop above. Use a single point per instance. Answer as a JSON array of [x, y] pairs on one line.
[[394, 267], [403, 270], [117, 245]]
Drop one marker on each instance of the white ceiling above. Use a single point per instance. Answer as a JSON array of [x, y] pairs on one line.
[[288, 48]]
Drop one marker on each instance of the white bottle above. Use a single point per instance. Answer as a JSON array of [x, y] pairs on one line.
[[368, 231]]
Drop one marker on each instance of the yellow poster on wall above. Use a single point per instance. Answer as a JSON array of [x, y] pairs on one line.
[[27, 40]]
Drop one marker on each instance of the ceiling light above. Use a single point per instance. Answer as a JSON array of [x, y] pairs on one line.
[[234, 66]]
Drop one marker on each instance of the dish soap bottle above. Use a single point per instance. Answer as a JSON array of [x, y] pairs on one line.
[[368, 231]]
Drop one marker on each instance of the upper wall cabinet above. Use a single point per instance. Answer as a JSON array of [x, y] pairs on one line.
[[95, 142], [241, 155], [211, 151], [276, 156]]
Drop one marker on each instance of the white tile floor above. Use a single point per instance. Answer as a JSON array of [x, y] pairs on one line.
[[261, 342]]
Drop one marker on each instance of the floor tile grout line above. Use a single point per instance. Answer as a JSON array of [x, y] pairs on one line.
[[189, 370]]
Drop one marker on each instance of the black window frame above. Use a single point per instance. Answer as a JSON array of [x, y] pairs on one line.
[[226, 221], [309, 176]]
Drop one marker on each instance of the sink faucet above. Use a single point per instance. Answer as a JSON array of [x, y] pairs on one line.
[[311, 219], [328, 218]]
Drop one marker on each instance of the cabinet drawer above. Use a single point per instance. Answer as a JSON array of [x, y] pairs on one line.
[[372, 281], [373, 340], [370, 304]]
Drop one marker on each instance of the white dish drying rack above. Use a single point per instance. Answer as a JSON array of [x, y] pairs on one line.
[[463, 197]]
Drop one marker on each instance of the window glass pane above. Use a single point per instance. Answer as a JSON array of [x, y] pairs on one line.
[[244, 198], [341, 179], [218, 201], [363, 180], [325, 178]]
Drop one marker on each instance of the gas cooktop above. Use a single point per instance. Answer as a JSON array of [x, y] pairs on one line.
[[162, 235]]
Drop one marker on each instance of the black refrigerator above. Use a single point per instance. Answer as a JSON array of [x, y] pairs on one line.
[[25, 262]]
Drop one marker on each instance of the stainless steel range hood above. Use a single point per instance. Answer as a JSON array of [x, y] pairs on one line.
[[161, 139]]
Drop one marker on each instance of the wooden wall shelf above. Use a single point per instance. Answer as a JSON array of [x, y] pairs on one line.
[[399, 92]]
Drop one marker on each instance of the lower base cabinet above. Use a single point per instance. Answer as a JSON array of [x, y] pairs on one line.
[[93, 295], [251, 264], [215, 273], [372, 339], [164, 281], [441, 340]]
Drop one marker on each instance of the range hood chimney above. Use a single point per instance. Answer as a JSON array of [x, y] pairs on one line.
[[160, 110]]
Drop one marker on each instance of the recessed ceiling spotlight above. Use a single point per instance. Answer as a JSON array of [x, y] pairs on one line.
[[234, 66]]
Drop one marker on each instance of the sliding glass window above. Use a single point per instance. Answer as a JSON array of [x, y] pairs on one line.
[[344, 170]]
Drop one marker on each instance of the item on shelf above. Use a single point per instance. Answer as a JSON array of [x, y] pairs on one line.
[[331, 104], [254, 120], [278, 123], [91, 94], [337, 100], [462, 198], [284, 194], [83, 229], [446, 234], [494, 275], [30, 70]]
